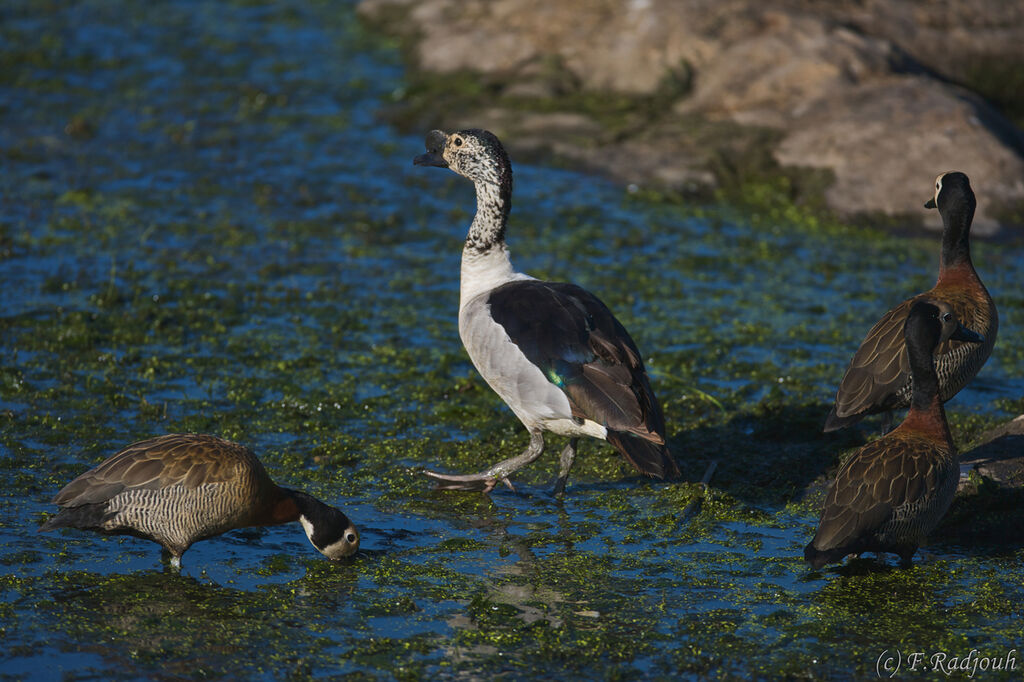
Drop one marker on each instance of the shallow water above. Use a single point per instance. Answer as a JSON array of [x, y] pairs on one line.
[[206, 227]]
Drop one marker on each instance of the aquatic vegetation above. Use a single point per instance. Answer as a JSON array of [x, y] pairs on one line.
[[226, 240]]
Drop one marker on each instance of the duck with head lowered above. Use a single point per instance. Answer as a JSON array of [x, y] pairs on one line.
[[552, 351], [180, 488], [878, 377]]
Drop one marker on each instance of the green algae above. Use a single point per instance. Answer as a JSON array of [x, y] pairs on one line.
[[304, 302]]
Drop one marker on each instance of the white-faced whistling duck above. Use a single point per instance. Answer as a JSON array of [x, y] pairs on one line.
[[878, 378], [892, 492], [180, 488]]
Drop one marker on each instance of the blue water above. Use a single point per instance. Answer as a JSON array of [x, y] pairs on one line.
[[239, 244]]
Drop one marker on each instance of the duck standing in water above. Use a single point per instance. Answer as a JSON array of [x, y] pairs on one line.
[[553, 351], [878, 378], [178, 489], [892, 492]]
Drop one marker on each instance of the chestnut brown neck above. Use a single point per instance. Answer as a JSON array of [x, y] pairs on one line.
[[960, 269], [922, 336], [928, 420], [278, 507]]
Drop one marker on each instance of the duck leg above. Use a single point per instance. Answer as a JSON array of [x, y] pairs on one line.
[[486, 480], [906, 555], [565, 464]]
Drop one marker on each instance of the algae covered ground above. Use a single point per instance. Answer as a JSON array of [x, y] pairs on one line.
[[205, 226]]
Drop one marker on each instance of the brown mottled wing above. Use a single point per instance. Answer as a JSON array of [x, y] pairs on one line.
[[191, 459], [957, 362], [878, 370], [881, 477]]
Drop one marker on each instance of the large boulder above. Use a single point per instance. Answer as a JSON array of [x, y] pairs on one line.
[[860, 90], [881, 138]]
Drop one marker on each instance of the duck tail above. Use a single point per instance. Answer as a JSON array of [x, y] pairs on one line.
[[834, 422], [84, 516], [648, 457]]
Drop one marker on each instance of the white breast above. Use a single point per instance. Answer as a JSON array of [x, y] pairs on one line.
[[520, 383], [483, 272]]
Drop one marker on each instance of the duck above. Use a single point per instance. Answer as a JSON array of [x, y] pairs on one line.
[[891, 493], [553, 351], [878, 377], [179, 488]]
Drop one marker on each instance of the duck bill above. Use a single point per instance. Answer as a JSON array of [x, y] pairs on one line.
[[962, 333], [930, 203], [435, 142], [430, 159]]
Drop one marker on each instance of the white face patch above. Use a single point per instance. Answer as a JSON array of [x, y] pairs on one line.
[[343, 548], [335, 550], [308, 527], [938, 187]]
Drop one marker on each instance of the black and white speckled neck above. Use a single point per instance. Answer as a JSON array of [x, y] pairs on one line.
[[478, 155], [483, 160], [493, 202]]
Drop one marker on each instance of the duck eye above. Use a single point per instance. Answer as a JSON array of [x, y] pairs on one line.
[[457, 142], [947, 317]]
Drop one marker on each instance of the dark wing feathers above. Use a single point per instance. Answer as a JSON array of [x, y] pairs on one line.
[[191, 459], [579, 345], [878, 377], [878, 479], [599, 392], [879, 368], [650, 457], [615, 350], [549, 324]]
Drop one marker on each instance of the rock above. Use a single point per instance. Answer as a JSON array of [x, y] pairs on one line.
[[878, 138], [952, 37], [1000, 457], [605, 44], [848, 88], [784, 66], [989, 505]]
